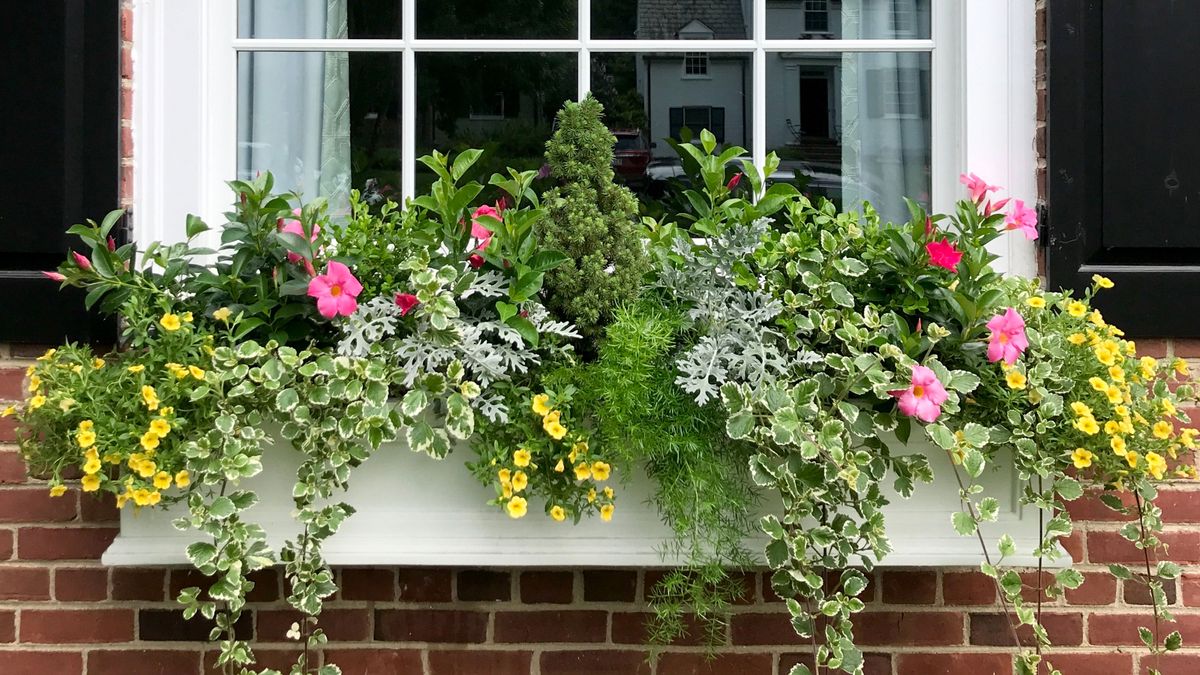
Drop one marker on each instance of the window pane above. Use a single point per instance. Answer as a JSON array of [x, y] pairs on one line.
[[319, 18], [852, 126], [321, 122], [671, 19], [849, 20], [496, 19], [503, 103]]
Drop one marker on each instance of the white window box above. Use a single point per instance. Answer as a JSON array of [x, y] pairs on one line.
[[413, 510]]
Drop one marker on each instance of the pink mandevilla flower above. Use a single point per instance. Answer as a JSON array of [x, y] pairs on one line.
[[1008, 339], [924, 397], [733, 182], [475, 260], [977, 186], [480, 232], [335, 291], [943, 254], [1022, 218], [54, 276], [294, 227], [82, 261], [406, 301]]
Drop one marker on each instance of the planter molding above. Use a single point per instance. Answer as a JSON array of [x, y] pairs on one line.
[[414, 510]]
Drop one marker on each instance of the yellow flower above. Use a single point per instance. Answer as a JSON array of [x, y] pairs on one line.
[[1087, 425], [600, 471], [1101, 281], [1076, 308], [92, 466], [1162, 429], [141, 497], [98, 363], [121, 500], [558, 468], [170, 322], [1121, 410], [505, 476], [187, 317], [1096, 318], [506, 490], [1180, 366], [66, 404], [1076, 338], [1148, 365], [90, 483], [1082, 458], [608, 492], [222, 314], [1130, 348], [167, 411], [591, 495], [1168, 407], [35, 383], [48, 355], [86, 439], [1081, 409], [517, 506], [9, 411], [196, 372], [1132, 458], [1117, 373], [149, 440], [551, 417], [160, 427], [606, 512], [583, 471], [77, 369], [136, 368], [1188, 437], [58, 490], [1126, 425], [147, 468], [558, 513], [519, 481], [1114, 395], [1111, 427], [183, 478], [556, 431], [112, 457], [162, 480], [1118, 445], [37, 402], [541, 404], [149, 397], [1036, 302], [1098, 384], [1156, 465], [1105, 355], [579, 447], [521, 457], [1015, 379]]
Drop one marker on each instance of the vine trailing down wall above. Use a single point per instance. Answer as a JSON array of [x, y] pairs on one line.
[[750, 342]]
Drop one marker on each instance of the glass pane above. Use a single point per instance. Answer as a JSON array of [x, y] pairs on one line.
[[319, 18], [849, 20], [671, 19], [852, 126], [496, 19], [322, 122], [651, 97], [504, 103]]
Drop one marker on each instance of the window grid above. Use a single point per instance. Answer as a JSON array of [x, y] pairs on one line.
[[409, 45]]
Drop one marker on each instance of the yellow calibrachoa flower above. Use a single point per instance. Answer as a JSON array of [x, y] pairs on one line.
[[541, 404], [522, 457], [505, 476], [35, 383], [1098, 384], [1076, 308], [1126, 425], [1036, 302], [506, 490], [1168, 407], [98, 363], [187, 317], [170, 322], [162, 480], [149, 397], [1015, 379], [1081, 409], [1105, 355], [9, 411], [1111, 427], [1114, 394], [147, 468], [558, 513], [608, 492], [90, 483], [160, 427], [591, 495], [579, 447], [1117, 373], [1087, 425], [58, 490], [1147, 364], [1082, 458], [37, 402], [85, 439], [48, 355], [558, 468], [1102, 281], [519, 481], [606, 512], [197, 373], [112, 457], [1180, 366], [1130, 348], [583, 471], [222, 314], [600, 471], [149, 440], [556, 431], [1162, 429], [1156, 465], [77, 369], [141, 497], [1188, 437], [517, 507], [183, 478], [137, 368], [1118, 445], [1132, 458], [66, 404], [1076, 338], [1096, 318]]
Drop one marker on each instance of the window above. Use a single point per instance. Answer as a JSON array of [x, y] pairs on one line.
[[697, 118], [816, 16], [695, 64]]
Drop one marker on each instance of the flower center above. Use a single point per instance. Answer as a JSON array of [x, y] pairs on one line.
[[1003, 338], [335, 290], [918, 390]]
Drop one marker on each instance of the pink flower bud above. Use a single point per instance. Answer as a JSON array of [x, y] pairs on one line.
[[82, 261], [54, 276], [406, 301], [112, 244], [475, 260], [733, 182]]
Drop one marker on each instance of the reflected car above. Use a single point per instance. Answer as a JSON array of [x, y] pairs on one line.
[[631, 155]]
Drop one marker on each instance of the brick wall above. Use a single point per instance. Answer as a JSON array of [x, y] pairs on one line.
[[62, 613]]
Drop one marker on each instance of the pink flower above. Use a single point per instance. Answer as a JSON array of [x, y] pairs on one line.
[[733, 182], [406, 301], [475, 260], [82, 261], [335, 291], [1008, 340], [929, 229], [112, 244], [992, 207], [977, 186], [943, 254], [294, 227], [478, 231], [54, 276], [924, 397], [1022, 218]]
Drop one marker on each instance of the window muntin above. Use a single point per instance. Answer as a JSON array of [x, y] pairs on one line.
[[816, 16], [695, 64]]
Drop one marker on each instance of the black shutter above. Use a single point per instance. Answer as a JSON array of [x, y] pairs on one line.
[[675, 121], [717, 119], [1123, 184], [59, 126]]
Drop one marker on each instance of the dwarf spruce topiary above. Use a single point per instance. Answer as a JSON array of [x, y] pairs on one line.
[[591, 219]]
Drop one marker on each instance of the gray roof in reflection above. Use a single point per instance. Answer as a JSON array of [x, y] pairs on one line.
[[663, 19]]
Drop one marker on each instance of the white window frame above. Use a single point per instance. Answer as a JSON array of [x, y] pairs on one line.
[[696, 58]]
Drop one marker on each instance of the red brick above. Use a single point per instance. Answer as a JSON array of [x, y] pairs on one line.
[[462, 662], [1090, 508], [127, 24], [1099, 588], [64, 543], [340, 625], [968, 588], [82, 584], [8, 429], [609, 585], [41, 663], [65, 626], [1188, 348], [126, 63], [1136, 592], [12, 384], [675, 663], [605, 662], [368, 584], [907, 587], [376, 661], [24, 583], [281, 660], [954, 664], [546, 587], [1090, 664], [550, 626], [1156, 347], [12, 467], [266, 585], [35, 505], [6, 544], [143, 662], [1030, 592], [1172, 664], [920, 629], [774, 628], [633, 628], [1179, 505], [168, 625], [98, 508], [993, 630], [8, 626], [1075, 545], [1122, 629], [483, 585], [139, 584], [873, 664], [425, 585], [1191, 590], [1110, 547], [430, 625]]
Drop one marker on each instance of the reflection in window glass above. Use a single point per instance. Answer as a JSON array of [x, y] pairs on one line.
[[671, 20], [503, 103], [852, 126], [496, 19], [321, 122], [849, 20], [319, 19]]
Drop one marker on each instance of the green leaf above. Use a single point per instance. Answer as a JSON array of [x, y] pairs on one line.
[[195, 225], [1174, 641], [777, 553], [1146, 635], [1069, 578], [1068, 488], [840, 294], [941, 435], [222, 508], [963, 382], [739, 426], [974, 463], [526, 328], [964, 524], [414, 402], [771, 526], [287, 400], [1120, 572], [1169, 570]]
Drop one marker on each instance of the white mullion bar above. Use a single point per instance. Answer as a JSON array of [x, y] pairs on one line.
[[758, 126], [570, 45], [408, 102], [585, 54]]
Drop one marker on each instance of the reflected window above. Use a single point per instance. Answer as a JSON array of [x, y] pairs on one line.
[[695, 64], [816, 16]]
